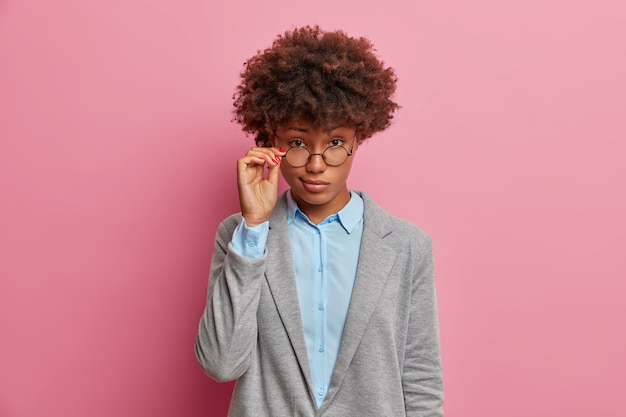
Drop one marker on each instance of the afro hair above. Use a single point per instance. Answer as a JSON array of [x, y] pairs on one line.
[[327, 78]]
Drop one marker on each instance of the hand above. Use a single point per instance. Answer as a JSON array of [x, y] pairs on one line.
[[258, 195]]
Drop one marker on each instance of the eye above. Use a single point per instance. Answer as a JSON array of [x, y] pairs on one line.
[[296, 143], [336, 142]]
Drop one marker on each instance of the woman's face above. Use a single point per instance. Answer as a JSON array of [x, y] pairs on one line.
[[319, 189]]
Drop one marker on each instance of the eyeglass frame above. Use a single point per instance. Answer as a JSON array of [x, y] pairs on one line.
[[308, 160]]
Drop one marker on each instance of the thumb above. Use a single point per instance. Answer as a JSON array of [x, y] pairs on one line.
[[272, 174]]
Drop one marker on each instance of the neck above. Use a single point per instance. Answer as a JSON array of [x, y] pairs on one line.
[[318, 212]]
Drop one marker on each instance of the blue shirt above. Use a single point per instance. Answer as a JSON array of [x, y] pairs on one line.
[[325, 260]]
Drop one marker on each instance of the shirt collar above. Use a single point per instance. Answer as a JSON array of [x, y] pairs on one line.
[[349, 216]]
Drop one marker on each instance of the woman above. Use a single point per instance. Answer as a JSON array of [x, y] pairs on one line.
[[319, 302]]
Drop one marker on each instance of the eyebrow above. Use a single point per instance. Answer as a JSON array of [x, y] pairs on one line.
[[299, 129], [305, 130]]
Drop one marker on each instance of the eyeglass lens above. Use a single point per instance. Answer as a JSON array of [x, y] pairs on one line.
[[333, 156]]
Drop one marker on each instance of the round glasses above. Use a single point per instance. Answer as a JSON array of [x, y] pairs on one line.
[[334, 155]]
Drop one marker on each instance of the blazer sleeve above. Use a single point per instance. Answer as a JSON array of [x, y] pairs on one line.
[[227, 332], [421, 376]]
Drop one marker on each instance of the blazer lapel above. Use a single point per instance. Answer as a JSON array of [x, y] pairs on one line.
[[280, 276], [376, 260]]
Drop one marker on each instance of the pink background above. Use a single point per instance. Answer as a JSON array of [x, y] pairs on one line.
[[117, 163]]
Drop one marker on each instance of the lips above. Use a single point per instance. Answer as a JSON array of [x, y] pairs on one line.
[[314, 186]]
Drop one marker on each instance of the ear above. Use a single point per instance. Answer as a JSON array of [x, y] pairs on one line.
[[357, 141]]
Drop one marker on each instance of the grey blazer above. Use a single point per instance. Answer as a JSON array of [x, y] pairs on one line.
[[389, 360]]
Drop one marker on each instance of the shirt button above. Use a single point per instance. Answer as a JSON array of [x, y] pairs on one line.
[[321, 391], [320, 268], [251, 244], [321, 349], [320, 306]]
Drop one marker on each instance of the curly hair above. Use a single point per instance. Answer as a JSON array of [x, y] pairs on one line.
[[327, 78]]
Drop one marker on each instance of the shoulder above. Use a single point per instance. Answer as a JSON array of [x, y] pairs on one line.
[[410, 244], [393, 228]]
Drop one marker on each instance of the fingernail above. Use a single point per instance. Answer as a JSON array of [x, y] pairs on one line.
[[282, 150], [277, 159]]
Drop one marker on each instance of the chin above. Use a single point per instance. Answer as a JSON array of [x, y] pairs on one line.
[[317, 199]]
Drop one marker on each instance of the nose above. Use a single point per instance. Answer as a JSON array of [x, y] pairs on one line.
[[316, 163]]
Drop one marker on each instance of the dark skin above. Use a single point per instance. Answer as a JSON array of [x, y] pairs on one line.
[[319, 189], [328, 84], [258, 193]]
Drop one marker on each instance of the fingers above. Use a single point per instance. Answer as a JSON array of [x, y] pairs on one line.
[[250, 167], [262, 156], [257, 195], [272, 174]]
